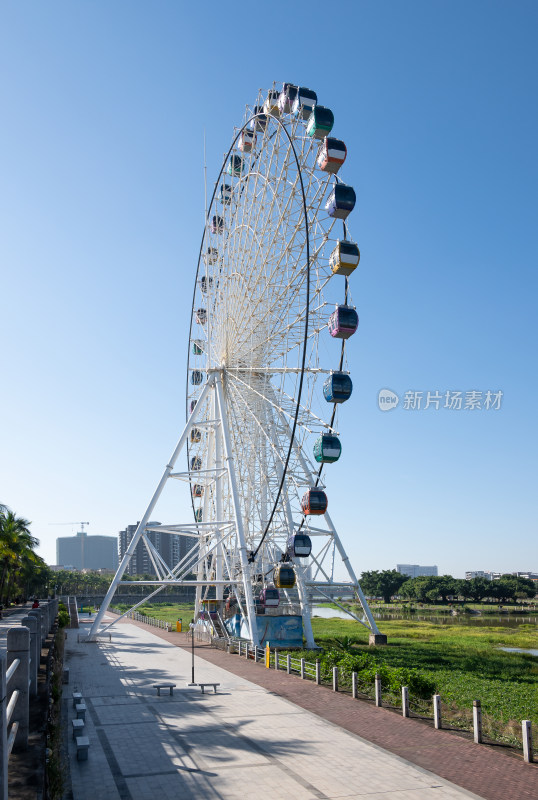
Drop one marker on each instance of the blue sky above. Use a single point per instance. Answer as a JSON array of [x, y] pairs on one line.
[[105, 105]]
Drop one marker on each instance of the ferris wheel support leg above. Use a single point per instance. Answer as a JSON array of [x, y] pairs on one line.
[[375, 632], [219, 555], [245, 566], [143, 522], [306, 611]]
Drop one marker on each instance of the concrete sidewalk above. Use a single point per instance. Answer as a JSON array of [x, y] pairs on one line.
[[245, 739]]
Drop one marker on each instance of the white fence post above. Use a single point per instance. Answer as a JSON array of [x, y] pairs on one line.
[[526, 730], [335, 679], [318, 672], [302, 668], [18, 646], [4, 756], [288, 663], [377, 689], [477, 721], [246, 652], [276, 658], [354, 685], [437, 711], [35, 651], [405, 701]]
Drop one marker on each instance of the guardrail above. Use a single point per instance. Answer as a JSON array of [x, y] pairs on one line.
[[157, 623]]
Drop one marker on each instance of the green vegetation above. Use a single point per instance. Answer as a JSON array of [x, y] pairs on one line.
[[22, 572], [383, 584], [169, 612]]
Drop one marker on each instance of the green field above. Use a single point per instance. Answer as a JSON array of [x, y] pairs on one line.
[[462, 661]]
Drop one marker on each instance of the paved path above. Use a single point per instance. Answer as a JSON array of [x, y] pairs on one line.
[[244, 740]]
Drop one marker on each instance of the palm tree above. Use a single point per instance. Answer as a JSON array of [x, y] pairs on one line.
[[16, 545]]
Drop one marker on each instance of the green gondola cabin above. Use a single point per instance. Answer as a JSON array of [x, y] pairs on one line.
[[327, 449], [320, 123], [235, 166]]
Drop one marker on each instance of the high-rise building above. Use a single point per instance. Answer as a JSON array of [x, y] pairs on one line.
[[87, 552], [172, 547], [416, 570]]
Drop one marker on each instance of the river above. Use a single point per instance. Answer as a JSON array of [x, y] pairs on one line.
[[486, 620]]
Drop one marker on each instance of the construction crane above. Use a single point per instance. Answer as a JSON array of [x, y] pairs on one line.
[[82, 524]]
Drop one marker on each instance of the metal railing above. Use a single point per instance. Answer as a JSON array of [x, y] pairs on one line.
[[156, 623]]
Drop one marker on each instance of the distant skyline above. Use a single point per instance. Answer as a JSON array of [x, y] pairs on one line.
[[106, 106]]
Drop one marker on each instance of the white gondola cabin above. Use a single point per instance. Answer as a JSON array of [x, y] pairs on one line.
[[344, 258], [225, 194], [211, 255], [247, 141], [341, 201], [271, 103], [332, 155], [286, 98], [304, 102]]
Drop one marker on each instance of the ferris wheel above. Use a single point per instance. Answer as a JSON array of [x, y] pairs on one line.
[[267, 375]]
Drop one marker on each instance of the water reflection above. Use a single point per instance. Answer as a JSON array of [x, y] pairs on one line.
[[486, 620]]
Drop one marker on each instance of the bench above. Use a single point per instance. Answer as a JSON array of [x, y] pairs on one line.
[[203, 685], [83, 744], [160, 686], [80, 708], [77, 698], [78, 727]]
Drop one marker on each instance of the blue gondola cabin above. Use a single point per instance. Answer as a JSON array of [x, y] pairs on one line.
[[332, 155], [235, 165], [327, 449], [197, 490], [314, 503], [217, 224], [201, 316], [337, 388], [196, 463], [320, 122], [304, 102], [225, 194], [271, 103], [284, 576], [211, 255], [247, 141], [287, 97], [341, 201], [193, 405], [196, 435], [344, 258], [299, 545], [205, 283], [343, 322], [196, 377], [260, 120], [269, 597]]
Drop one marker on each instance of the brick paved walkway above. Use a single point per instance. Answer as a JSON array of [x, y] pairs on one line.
[[488, 771], [221, 746]]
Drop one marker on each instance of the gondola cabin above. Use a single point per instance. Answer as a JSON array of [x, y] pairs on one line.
[[341, 201], [205, 283], [196, 463], [287, 97], [271, 104], [260, 120], [198, 515], [269, 597], [197, 348], [201, 316], [247, 141], [343, 322], [196, 435], [299, 545], [320, 122], [217, 224], [225, 194], [337, 388], [304, 102], [344, 258], [211, 255], [332, 155], [284, 576], [196, 377], [314, 502], [193, 405], [327, 449], [197, 490], [235, 165]]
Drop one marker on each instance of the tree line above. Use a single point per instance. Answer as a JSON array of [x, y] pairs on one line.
[[23, 573], [442, 588]]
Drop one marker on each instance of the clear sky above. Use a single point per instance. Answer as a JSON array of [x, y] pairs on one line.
[[104, 108]]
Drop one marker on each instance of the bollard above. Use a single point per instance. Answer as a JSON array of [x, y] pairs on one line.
[[267, 656], [302, 668], [318, 672], [378, 689], [354, 685], [477, 721], [4, 755], [288, 663], [405, 701], [18, 646], [437, 711], [335, 679], [35, 651], [526, 731]]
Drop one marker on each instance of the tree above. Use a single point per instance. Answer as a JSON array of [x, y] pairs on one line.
[[16, 549], [511, 588], [476, 589], [383, 584]]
